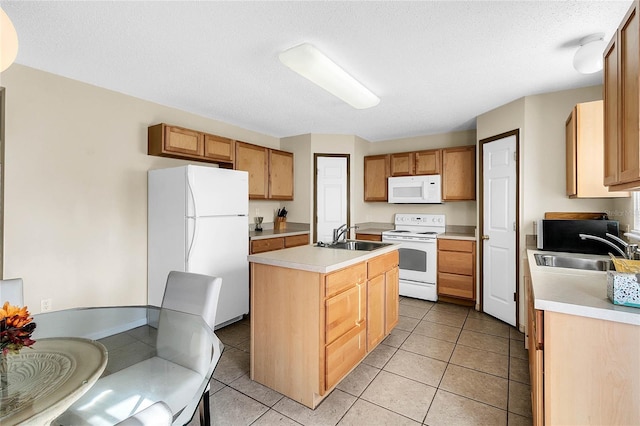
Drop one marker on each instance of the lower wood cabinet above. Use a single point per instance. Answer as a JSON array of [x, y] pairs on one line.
[[277, 243], [534, 339], [309, 330], [584, 371], [457, 270], [368, 237]]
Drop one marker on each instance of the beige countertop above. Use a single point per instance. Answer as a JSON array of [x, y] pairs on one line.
[[289, 230], [576, 292], [457, 236], [317, 259]]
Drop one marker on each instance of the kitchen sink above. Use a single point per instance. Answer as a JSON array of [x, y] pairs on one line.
[[356, 245], [585, 263]]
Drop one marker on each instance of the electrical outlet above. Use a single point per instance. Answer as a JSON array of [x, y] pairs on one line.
[[45, 305]]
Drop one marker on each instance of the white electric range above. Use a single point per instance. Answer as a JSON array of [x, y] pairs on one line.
[[417, 235]]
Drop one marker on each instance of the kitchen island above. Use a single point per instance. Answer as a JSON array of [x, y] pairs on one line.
[[583, 349], [315, 314]]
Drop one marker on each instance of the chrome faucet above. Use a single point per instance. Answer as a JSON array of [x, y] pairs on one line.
[[342, 232], [630, 252]]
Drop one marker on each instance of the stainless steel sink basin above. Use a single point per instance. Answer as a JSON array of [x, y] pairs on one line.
[[572, 262], [357, 245]]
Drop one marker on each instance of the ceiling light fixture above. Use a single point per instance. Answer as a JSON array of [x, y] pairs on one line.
[[8, 42], [588, 58], [313, 65]]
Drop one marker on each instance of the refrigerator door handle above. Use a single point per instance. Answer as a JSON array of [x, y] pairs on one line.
[[195, 218]]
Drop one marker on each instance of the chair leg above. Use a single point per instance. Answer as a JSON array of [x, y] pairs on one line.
[[203, 408]]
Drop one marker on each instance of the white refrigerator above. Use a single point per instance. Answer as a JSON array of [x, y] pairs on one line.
[[198, 222]]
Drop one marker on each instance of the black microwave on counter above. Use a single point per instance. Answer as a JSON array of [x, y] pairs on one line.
[[563, 235]]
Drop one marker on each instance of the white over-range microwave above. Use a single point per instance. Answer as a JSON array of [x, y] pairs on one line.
[[415, 189]]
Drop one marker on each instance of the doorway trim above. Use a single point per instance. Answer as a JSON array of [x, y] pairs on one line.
[[515, 133], [315, 189]]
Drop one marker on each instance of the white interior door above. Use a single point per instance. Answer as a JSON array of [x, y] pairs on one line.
[[331, 196], [499, 228]]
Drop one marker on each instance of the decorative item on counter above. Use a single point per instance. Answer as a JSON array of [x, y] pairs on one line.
[[625, 265], [258, 221], [623, 288], [16, 327], [281, 218]]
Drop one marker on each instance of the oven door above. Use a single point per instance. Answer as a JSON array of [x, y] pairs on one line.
[[418, 260]]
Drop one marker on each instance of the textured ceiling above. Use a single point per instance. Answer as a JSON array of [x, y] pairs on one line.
[[435, 65]]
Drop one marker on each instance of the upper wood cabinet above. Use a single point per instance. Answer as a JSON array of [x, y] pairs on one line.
[[280, 175], [173, 141], [402, 164], [621, 96], [584, 140], [428, 162], [254, 159], [165, 140], [416, 163], [376, 172], [459, 173], [219, 148], [270, 171]]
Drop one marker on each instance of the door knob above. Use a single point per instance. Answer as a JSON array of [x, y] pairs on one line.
[[484, 237]]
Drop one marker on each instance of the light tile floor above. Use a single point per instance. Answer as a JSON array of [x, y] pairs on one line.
[[442, 365]]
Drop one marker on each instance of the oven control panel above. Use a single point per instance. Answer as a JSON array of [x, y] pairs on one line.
[[420, 219]]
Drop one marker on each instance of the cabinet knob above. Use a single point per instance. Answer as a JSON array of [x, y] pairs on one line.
[[484, 237]]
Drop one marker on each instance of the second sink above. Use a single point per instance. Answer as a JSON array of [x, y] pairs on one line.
[[584, 263]]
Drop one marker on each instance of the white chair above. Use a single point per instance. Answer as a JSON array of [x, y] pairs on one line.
[[183, 358], [11, 291], [158, 414], [191, 293]]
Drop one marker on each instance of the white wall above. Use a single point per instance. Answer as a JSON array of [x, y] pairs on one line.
[[76, 187], [541, 120]]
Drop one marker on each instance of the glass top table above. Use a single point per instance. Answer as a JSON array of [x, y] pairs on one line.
[[152, 355]]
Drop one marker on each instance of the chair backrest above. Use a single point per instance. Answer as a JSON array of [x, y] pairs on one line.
[[194, 294], [11, 291]]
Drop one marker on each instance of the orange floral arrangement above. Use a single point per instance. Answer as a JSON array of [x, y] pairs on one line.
[[16, 326]]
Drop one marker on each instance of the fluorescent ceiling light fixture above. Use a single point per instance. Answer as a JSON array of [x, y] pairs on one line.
[[588, 58], [313, 65]]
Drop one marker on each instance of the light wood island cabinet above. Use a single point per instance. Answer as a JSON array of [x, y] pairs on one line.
[[310, 329]]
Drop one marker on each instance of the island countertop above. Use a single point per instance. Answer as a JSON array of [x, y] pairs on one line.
[[576, 292], [317, 259]]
